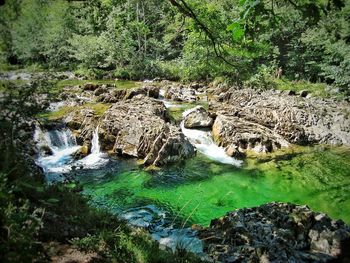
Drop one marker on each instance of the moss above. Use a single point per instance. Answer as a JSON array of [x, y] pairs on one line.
[[99, 109], [120, 84]]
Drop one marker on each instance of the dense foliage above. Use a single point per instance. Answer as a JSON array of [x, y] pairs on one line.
[[177, 39]]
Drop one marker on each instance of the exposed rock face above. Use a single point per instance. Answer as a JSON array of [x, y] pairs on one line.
[[245, 135], [136, 127], [198, 118], [271, 119], [115, 95], [276, 232]]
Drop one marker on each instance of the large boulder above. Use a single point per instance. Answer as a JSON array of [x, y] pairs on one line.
[[271, 114], [198, 118], [231, 131], [276, 232], [138, 128]]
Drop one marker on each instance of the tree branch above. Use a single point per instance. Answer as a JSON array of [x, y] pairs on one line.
[[183, 8]]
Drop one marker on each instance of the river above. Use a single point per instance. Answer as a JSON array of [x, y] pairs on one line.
[[169, 200]]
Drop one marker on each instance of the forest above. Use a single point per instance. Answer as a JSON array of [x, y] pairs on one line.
[[174, 131], [239, 41]]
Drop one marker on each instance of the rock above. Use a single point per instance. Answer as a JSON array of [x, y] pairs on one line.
[[90, 86], [241, 135], [276, 118], [137, 127], [83, 122], [290, 92], [115, 95], [196, 85], [303, 93], [100, 90], [180, 93], [198, 118], [276, 232], [232, 150]]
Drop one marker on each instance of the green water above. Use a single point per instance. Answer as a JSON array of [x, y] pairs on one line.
[[199, 189]]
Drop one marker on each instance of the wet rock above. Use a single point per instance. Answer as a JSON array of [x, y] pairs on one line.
[[82, 152], [198, 118], [276, 232], [45, 150], [233, 151]]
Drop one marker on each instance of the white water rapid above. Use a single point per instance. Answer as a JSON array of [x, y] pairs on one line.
[[62, 145], [204, 143], [56, 148]]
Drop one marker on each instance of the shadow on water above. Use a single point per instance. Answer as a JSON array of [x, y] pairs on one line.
[[191, 171]]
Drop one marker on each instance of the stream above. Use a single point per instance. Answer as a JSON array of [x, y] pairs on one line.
[[168, 201]]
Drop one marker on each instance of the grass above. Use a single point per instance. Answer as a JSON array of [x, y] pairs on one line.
[[175, 113], [99, 109], [316, 89], [4, 84], [120, 84]]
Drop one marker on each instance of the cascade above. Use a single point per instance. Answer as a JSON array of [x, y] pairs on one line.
[[204, 143]]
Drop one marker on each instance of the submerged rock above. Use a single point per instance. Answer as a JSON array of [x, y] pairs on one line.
[[198, 117], [276, 232]]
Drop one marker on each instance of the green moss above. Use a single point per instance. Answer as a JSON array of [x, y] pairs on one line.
[[99, 109], [175, 113]]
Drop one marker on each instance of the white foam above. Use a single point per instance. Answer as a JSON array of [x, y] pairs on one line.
[[96, 158], [204, 143], [63, 145]]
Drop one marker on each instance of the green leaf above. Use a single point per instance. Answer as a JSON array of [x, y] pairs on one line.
[[71, 185], [53, 200], [237, 31]]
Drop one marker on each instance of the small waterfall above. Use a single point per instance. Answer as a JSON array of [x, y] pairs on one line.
[[204, 143], [95, 144], [96, 158], [62, 145]]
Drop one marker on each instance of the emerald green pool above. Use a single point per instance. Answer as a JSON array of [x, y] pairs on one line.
[[199, 189]]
